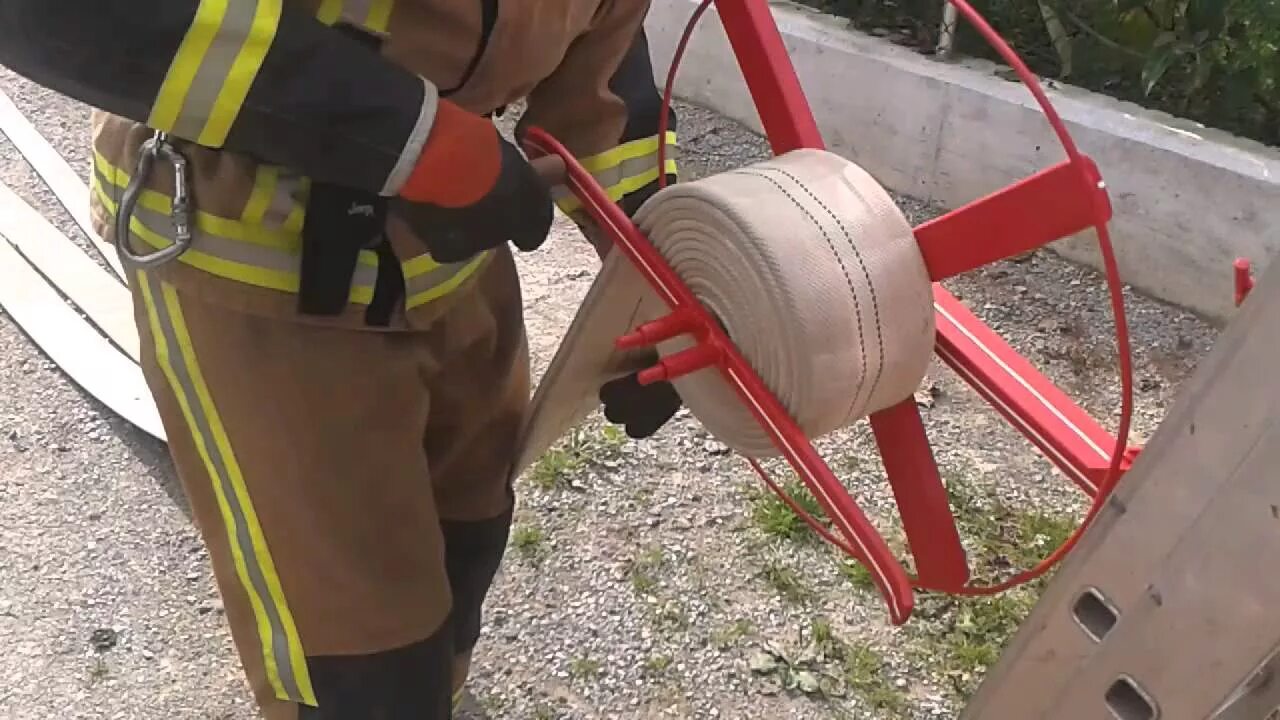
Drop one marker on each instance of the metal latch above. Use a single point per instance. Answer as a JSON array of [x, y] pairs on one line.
[[180, 211]]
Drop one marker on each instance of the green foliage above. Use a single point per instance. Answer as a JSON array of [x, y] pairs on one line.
[[1213, 61], [776, 519]]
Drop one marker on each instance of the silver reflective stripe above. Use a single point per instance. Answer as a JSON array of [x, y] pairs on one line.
[[631, 167], [287, 200], [243, 252], [372, 15], [356, 12], [215, 68], [415, 142], [612, 177], [437, 276], [238, 251], [179, 360], [276, 265]]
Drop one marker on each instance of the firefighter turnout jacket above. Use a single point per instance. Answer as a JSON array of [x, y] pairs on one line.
[[299, 118]]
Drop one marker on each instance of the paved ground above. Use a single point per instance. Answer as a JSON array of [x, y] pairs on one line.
[[644, 580]]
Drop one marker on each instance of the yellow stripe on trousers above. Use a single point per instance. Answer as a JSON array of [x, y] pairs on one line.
[[281, 647], [215, 65]]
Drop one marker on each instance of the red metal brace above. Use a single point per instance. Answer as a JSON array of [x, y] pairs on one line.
[[713, 348], [1054, 203]]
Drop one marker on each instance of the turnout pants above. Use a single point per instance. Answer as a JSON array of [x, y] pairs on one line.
[[352, 487]]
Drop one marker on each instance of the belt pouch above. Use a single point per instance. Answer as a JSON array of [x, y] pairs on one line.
[[340, 222]]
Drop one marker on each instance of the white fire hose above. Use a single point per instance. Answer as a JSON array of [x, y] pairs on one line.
[[814, 274]]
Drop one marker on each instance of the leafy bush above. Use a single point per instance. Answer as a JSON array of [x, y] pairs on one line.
[[1213, 61]]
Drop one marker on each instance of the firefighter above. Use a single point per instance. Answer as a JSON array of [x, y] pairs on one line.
[[317, 213]]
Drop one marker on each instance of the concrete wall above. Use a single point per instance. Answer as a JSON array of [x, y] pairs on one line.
[[1187, 199]]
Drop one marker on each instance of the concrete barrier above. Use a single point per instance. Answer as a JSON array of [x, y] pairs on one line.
[[1188, 199]]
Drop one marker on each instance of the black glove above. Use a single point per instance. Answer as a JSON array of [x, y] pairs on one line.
[[643, 409], [472, 191]]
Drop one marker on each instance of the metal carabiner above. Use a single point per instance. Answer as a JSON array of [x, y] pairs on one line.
[[179, 215]]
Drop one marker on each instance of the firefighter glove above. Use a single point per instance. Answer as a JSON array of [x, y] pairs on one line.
[[472, 191], [642, 409]]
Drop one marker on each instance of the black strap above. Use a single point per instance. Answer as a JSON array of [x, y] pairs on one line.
[[340, 222], [388, 289]]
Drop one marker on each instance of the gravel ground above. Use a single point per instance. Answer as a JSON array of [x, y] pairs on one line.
[[645, 580]]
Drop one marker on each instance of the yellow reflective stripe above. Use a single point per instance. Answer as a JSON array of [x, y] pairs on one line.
[[283, 656], [442, 281], [243, 72], [372, 15], [263, 256], [246, 273], [329, 12], [379, 15], [277, 203], [215, 65], [621, 174], [627, 151], [623, 170], [242, 262], [264, 190], [186, 62], [223, 227], [287, 207], [297, 213], [420, 265]]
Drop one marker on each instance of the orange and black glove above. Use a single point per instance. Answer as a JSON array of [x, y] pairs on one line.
[[472, 191]]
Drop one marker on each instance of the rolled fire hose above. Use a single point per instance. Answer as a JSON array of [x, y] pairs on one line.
[[813, 272]]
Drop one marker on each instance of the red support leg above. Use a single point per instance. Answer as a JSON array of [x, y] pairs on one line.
[[921, 497]]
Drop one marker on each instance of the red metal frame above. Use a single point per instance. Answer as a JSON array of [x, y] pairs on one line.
[[1056, 202], [714, 349], [1031, 213]]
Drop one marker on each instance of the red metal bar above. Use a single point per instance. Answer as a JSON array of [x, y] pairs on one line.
[[1051, 204], [771, 79], [922, 500], [1064, 432]]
